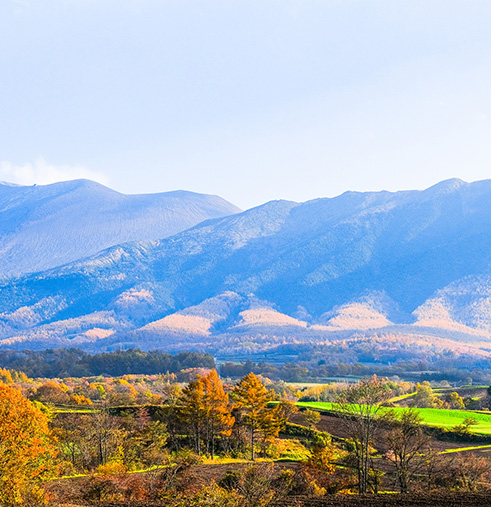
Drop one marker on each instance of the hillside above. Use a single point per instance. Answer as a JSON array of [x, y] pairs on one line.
[[412, 264], [44, 226]]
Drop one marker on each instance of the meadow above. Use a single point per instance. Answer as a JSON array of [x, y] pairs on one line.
[[436, 417]]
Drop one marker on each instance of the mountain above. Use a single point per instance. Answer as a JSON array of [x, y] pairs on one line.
[[411, 265], [44, 226]]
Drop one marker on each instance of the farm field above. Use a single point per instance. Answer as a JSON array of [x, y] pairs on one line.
[[437, 417]]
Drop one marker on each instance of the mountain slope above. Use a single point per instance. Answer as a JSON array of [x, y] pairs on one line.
[[46, 226], [354, 263]]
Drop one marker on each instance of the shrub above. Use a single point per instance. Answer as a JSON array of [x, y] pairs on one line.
[[213, 496]]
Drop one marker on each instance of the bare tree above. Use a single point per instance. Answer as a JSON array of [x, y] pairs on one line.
[[106, 433], [407, 446], [359, 405]]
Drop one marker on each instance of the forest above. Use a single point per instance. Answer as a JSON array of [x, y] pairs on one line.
[[311, 364], [74, 362]]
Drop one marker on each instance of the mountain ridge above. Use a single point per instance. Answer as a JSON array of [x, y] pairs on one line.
[[402, 264], [44, 226]]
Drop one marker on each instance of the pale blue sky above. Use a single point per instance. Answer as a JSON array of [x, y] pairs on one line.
[[251, 100]]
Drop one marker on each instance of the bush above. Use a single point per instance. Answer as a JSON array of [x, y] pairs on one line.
[[213, 496], [111, 469], [230, 480]]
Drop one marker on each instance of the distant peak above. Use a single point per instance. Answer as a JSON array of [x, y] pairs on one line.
[[447, 186]]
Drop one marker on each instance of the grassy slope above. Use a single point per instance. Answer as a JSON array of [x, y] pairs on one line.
[[431, 416]]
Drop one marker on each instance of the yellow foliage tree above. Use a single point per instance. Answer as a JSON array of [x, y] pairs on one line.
[[26, 454]]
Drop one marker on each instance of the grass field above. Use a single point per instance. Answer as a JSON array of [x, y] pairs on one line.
[[431, 416]]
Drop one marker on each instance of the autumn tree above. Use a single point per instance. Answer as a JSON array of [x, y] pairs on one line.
[[311, 417], [51, 392], [144, 440], [218, 418], [105, 431], [205, 408], [470, 472], [425, 397], [26, 454], [455, 401], [251, 398], [6, 376], [407, 443], [192, 410], [359, 406], [321, 463]]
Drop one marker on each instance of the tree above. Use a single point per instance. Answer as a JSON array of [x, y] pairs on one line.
[[464, 428], [407, 444], [320, 464], [105, 432], [192, 412], [251, 398], [217, 416], [425, 398], [359, 405], [205, 407], [470, 472], [311, 417], [143, 445], [26, 453], [455, 401], [51, 392]]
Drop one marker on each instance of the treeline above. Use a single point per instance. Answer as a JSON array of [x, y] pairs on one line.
[[320, 368], [63, 363]]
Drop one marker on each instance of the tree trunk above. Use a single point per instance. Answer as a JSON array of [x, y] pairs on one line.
[[252, 443]]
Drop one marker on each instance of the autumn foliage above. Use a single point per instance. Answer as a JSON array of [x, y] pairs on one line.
[[251, 398], [26, 454], [206, 408]]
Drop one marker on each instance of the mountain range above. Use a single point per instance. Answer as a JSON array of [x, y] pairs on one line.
[[409, 265]]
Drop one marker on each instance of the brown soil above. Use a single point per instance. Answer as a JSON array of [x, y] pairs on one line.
[[440, 499], [430, 500], [334, 426]]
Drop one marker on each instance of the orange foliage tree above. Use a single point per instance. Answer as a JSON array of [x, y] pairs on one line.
[[205, 407], [251, 398], [26, 454], [218, 418]]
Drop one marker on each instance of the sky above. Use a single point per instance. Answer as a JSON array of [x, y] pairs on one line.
[[252, 100]]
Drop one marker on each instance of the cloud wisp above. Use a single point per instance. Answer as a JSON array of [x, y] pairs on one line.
[[43, 173]]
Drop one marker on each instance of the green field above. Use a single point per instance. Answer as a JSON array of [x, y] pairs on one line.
[[438, 417]]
